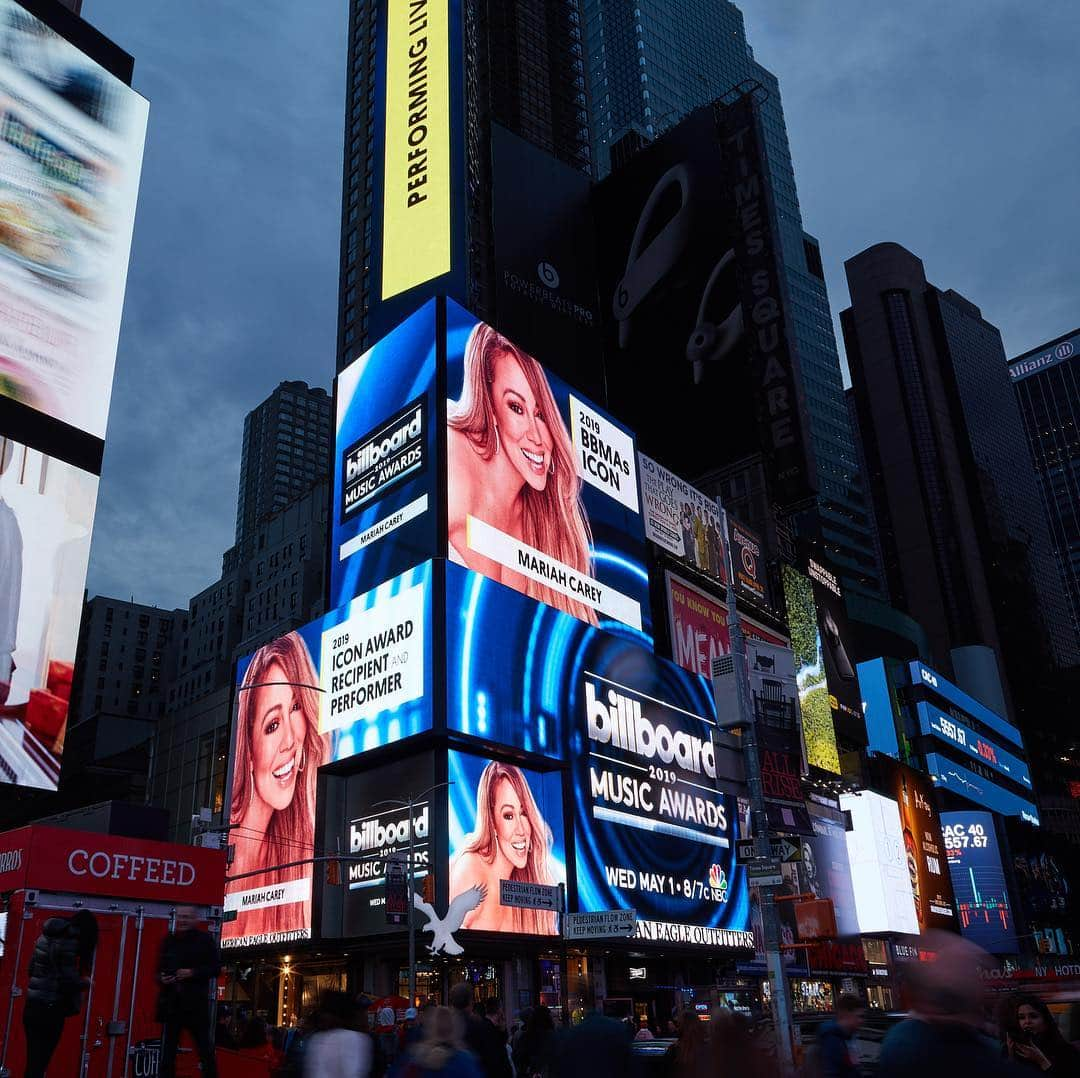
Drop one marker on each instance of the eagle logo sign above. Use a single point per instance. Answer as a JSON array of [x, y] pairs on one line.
[[443, 929]]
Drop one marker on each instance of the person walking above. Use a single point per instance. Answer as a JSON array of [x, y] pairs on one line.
[[942, 1035], [60, 966], [441, 1052], [1033, 1039], [483, 1038], [688, 1056], [335, 1050], [835, 1057], [187, 964], [533, 1050]]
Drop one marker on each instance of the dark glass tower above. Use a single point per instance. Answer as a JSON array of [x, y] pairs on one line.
[[523, 68], [286, 450], [964, 539], [652, 62], [1047, 384]]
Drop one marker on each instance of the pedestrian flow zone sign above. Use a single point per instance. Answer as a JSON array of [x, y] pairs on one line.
[[530, 896], [601, 924]]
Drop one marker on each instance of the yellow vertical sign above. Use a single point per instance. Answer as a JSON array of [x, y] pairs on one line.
[[416, 168]]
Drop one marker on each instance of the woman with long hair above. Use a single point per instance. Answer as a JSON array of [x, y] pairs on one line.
[[511, 465], [278, 751], [511, 841], [1033, 1039]]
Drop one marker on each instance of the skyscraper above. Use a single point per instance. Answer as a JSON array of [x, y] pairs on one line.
[[649, 65], [1047, 384], [519, 66], [286, 450], [964, 539]]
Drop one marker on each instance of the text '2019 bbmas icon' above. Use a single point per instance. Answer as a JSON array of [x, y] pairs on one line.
[[540, 485]]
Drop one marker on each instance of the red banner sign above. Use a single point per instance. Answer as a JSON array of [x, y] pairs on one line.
[[83, 862]]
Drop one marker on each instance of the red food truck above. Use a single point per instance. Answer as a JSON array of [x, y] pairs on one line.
[[132, 886]]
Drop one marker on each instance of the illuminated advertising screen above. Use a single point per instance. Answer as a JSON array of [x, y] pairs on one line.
[[981, 748], [879, 710], [356, 679], [698, 624], [376, 826], [884, 899], [949, 775], [1045, 867], [982, 895], [938, 685], [819, 733], [542, 489], [46, 516], [825, 871], [748, 563], [71, 143], [924, 848], [683, 521], [845, 701], [652, 834], [505, 823], [384, 512]]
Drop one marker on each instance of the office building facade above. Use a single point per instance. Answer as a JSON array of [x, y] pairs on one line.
[[286, 450], [1047, 384], [651, 64], [516, 66]]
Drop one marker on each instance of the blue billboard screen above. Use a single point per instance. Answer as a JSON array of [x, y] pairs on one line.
[[652, 833], [950, 775], [385, 473], [978, 879], [933, 721]]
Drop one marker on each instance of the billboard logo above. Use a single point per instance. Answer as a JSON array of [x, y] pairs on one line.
[[548, 274], [1063, 351], [381, 460], [928, 677], [621, 723], [376, 833]]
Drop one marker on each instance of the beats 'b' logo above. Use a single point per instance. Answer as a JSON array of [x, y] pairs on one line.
[[548, 274]]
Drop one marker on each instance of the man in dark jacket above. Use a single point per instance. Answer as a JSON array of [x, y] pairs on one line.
[[188, 963], [835, 1057], [483, 1038], [62, 956]]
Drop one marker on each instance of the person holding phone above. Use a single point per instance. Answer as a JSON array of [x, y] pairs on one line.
[[1033, 1039]]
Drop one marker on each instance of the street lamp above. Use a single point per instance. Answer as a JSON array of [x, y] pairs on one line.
[[408, 803]]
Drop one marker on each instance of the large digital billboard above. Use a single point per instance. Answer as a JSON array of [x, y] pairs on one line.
[[358, 678], [923, 845], [698, 624], [277, 752], [977, 788], [385, 470], [819, 734], [749, 571], [505, 823], [652, 833], [691, 286], [46, 516], [980, 747], [683, 521], [845, 700], [542, 489], [978, 878], [71, 144], [884, 897]]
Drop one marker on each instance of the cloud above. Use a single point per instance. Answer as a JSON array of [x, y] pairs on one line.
[[233, 279], [949, 128]]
